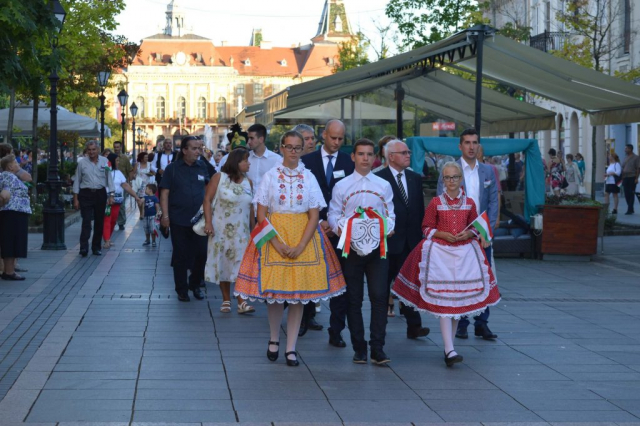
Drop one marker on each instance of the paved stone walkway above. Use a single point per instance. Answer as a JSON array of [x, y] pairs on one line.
[[103, 340]]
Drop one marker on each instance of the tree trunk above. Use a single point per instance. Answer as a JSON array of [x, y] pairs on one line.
[[594, 162], [12, 109], [34, 145]]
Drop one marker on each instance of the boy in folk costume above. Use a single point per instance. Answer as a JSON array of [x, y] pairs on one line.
[[361, 213]]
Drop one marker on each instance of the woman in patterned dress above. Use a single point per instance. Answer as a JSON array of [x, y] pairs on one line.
[[448, 274], [229, 225], [299, 265], [144, 174]]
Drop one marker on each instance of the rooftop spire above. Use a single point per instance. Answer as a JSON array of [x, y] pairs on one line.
[[175, 19], [334, 26]]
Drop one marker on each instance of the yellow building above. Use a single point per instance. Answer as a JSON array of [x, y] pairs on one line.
[[182, 82]]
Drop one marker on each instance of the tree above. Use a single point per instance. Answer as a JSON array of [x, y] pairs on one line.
[[352, 53], [422, 22]]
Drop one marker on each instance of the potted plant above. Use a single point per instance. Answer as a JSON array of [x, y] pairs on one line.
[[570, 225]]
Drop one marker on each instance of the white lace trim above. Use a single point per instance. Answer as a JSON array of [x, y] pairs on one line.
[[291, 301], [474, 313]]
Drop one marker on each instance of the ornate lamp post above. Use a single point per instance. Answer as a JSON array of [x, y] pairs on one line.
[[103, 79], [123, 97], [53, 210], [134, 111]]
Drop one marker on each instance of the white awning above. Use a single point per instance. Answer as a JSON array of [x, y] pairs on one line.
[[85, 127]]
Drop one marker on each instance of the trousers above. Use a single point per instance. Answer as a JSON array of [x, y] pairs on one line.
[[189, 253], [629, 186], [92, 206]]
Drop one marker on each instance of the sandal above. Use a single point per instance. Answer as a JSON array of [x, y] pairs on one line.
[[107, 244], [243, 308], [226, 307], [390, 312]]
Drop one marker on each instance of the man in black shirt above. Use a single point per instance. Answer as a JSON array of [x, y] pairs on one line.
[[181, 195]]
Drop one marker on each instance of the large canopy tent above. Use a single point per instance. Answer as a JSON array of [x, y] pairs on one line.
[[85, 127]]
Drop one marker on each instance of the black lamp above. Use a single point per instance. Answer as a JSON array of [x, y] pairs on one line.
[[123, 97], [103, 80], [134, 111]]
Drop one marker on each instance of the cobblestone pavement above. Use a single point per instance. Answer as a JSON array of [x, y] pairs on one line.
[[103, 340]]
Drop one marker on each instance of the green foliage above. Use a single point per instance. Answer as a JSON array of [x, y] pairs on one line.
[[68, 168], [610, 221], [631, 75], [578, 52], [422, 22], [352, 53], [571, 200]]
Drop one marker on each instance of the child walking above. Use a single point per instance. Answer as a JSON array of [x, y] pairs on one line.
[[151, 208]]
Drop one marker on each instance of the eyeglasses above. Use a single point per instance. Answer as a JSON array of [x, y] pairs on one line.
[[451, 178], [400, 152], [292, 148]]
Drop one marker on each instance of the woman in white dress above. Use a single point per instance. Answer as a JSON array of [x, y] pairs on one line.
[[228, 225], [613, 175], [143, 175]]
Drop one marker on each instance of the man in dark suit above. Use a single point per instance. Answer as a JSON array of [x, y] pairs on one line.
[[329, 166], [408, 204]]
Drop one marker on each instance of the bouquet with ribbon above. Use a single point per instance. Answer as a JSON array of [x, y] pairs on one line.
[[365, 222]]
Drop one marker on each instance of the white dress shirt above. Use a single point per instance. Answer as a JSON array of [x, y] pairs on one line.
[[380, 198], [283, 190], [471, 182], [403, 178], [325, 159]]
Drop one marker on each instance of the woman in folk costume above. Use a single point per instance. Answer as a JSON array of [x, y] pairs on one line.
[[447, 274], [297, 265]]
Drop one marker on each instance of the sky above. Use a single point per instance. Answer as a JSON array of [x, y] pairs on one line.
[[283, 22]]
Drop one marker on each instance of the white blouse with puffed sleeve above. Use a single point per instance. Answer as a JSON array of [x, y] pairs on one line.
[[284, 190]]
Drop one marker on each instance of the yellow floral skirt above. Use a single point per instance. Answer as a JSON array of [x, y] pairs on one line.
[[314, 275]]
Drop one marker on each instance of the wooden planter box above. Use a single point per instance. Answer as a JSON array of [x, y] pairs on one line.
[[570, 230]]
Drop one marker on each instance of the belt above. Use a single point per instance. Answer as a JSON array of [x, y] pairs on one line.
[[92, 189]]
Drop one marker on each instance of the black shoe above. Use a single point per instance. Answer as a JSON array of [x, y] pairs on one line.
[[360, 357], [461, 333], [197, 293], [97, 252], [121, 227], [292, 362], [146, 243], [614, 211], [378, 357], [84, 253], [415, 332], [12, 277], [484, 332], [313, 325], [452, 360], [303, 328], [183, 297], [273, 356], [337, 341], [628, 213]]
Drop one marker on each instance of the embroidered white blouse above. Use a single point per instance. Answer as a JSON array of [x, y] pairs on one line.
[[360, 191], [284, 190]]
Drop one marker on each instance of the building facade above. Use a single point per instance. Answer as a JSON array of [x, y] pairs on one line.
[[573, 131], [181, 82]]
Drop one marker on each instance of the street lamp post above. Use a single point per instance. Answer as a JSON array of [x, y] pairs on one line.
[[122, 98], [103, 79], [134, 112], [53, 210]]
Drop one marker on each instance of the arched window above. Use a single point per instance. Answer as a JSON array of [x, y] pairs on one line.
[[140, 105], [181, 107], [202, 107], [222, 108], [160, 107]]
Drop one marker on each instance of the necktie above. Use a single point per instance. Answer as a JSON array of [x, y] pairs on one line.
[[402, 191], [329, 170]]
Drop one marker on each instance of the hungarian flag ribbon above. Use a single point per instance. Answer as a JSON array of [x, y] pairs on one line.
[[362, 213]]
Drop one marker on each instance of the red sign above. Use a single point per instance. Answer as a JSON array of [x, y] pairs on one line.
[[443, 126]]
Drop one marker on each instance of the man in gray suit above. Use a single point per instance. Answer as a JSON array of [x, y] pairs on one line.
[[479, 184]]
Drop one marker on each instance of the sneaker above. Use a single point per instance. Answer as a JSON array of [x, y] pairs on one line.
[[378, 357], [153, 244], [146, 243]]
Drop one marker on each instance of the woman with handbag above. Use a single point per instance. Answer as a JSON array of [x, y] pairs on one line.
[[143, 176], [120, 184], [613, 177], [228, 220]]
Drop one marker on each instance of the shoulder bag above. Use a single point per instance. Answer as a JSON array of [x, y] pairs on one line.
[[198, 219]]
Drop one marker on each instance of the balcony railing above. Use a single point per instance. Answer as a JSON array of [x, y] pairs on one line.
[[549, 40]]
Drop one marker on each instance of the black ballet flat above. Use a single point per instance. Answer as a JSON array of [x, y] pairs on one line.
[[292, 362], [273, 356], [452, 360]]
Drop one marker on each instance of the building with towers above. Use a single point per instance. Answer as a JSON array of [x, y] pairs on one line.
[[181, 81]]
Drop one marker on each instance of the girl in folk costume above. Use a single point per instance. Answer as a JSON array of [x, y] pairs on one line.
[[447, 274], [297, 265]]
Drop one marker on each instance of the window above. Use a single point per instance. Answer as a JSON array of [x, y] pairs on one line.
[[626, 29], [182, 107], [222, 108], [140, 105], [240, 90], [160, 107], [247, 63], [283, 63], [202, 108], [547, 16], [258, 92]]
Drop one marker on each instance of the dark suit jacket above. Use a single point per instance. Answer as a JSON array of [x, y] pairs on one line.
[[313, 162], [408, 229]]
